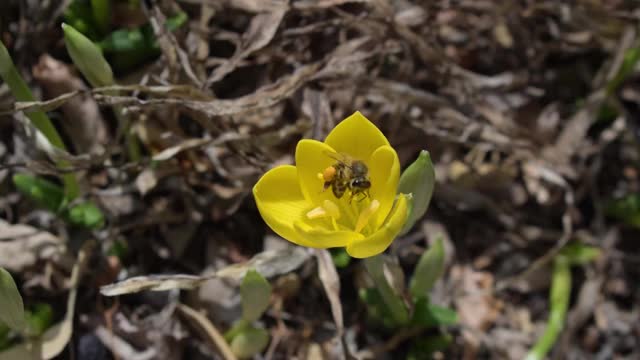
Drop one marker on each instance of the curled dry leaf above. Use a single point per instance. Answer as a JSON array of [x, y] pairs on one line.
[[268, 264], [83, 121]]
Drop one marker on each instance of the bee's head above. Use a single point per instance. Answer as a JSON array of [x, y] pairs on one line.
[[360, 183]]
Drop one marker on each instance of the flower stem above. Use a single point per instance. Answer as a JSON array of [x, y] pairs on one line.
[[560, 291], [375, 267]]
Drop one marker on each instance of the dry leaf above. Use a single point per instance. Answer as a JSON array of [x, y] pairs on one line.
[[56, 338], [257, 6], [83, 121], [268, 264], [22, 246], [331, 283], [261, 30], [477, 308]]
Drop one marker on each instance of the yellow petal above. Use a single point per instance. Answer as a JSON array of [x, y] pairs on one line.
[[281, 203], [356, 136], [323, 238], [381, 239], [384, 173], [312, 157]]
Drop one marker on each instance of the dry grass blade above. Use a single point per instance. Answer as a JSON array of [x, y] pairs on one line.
[[209, 329], [331, 283]]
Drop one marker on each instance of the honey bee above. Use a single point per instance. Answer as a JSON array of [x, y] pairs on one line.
[[347, 174]]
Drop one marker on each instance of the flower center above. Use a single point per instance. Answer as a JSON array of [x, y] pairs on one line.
[[356, 217]]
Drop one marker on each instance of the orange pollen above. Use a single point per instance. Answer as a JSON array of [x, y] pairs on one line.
[[329, 173]]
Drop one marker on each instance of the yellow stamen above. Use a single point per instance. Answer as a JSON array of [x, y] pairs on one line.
[[328, 208], [366, 214], [320, 176], [317, 213]]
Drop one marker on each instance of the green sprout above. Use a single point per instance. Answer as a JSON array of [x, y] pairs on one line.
[[247, 340], [572, 254]]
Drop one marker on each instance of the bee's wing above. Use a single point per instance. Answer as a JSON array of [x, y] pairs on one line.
[[340, 157]]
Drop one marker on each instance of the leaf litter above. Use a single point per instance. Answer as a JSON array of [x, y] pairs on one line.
[[527, 110]]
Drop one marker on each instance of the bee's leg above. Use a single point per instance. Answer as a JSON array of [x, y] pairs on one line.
[[352, 196], [326, 186], [364, 195]]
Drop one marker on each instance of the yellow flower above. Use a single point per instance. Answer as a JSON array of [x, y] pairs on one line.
[[292, 202]]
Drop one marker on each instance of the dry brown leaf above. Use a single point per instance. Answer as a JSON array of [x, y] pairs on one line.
[[263, 97], [502, 34], [268, 264], [261, 30], [168, 153], [476, 306], [146, 181], [153, 283], [317, 107], [257, 6], [121, 348], [83, 121], [22, 246], [331, 283], [319, 4], [56, 338]]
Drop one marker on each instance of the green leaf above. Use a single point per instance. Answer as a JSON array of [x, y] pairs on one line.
[[101, 10], [419, 180], [375, 267], [631, 58], [626, 208], [340, 257], [4, 336], [87, 215], [39, 119], [256, 295], [87, 57], [377, 309], [11, 306], [45, 193], [128, 48], [423, 349], [119, 248], [39, 318], [430, 315], [429, 269], [580, 254], [80, 16], [249, 342]]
